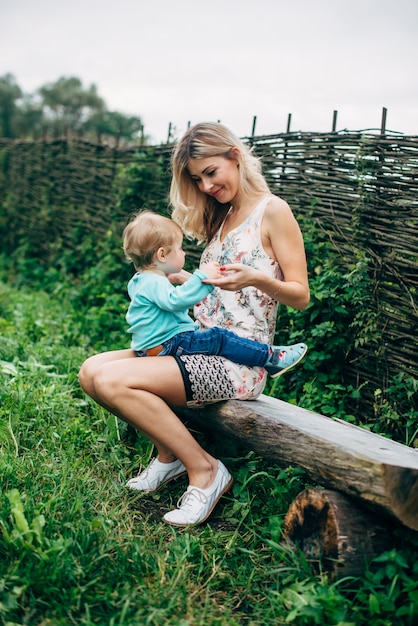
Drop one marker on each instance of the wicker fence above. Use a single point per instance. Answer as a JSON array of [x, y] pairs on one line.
[[360, 188]]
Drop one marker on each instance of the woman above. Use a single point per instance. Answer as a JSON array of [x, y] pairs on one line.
[[218, 196]]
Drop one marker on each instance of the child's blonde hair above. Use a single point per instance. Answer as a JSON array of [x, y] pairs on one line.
[[145, 234], [198, 214]]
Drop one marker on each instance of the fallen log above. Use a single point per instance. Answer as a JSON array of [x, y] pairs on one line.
[[380, 473]]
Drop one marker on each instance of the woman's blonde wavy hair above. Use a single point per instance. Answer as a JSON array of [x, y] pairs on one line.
[[198, 214]]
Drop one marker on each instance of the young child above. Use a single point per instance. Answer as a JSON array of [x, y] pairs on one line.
[[158, 313]]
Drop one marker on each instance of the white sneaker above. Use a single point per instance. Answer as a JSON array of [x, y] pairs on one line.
[[195, 505], [156, 475]]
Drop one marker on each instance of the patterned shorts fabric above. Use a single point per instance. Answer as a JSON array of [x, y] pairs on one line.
[[213, 378]]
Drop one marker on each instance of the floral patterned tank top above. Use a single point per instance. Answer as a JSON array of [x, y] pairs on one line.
[[248, 312]]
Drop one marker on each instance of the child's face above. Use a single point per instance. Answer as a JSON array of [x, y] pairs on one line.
[[174, 260]]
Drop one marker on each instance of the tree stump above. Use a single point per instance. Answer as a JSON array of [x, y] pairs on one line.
[[334, 532]]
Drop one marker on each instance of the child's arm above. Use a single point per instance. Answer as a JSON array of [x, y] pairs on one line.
[[187, 294], [210, 269], [179, 278]]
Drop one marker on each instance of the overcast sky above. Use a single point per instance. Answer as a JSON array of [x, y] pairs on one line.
[[230, 60]]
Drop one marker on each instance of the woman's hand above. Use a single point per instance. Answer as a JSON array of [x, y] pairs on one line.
[[234, 277]]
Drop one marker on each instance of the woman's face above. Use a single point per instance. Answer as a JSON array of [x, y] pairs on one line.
[[216, 176]]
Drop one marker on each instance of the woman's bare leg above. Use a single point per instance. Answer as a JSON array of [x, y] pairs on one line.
[[87, 378], [139, 391], [92, 365]]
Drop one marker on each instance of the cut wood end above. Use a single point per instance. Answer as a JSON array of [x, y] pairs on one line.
[[334, 533], [310, 525], [402, 487]]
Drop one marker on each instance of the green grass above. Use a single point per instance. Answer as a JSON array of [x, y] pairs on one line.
[[77, 548]]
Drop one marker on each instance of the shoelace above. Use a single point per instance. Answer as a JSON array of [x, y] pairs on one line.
[[146, 471], [186, 500]]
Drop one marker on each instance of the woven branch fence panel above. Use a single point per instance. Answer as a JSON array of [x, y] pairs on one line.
[[359, 188], [362, 190], [57, 185]]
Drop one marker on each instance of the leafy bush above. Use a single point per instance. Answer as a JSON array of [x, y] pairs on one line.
[[143, 184]]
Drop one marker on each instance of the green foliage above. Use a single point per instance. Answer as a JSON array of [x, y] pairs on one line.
[[325, 325], [68, 104], [76, 547], [10, 93], [113, 124], [337, 323], [143, 184], [88, 265], [96, 276], [395, 409]]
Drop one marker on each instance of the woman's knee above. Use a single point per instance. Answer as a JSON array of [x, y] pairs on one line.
[[86, 375], [107, 385]]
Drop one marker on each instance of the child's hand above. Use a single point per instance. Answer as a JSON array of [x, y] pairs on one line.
[[211, 270]]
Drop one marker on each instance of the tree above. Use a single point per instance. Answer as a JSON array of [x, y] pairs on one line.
[[60, 107], [10, 93], [115, 124], [30, 120], [67, 104]]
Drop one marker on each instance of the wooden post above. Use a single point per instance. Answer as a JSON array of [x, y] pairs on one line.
[[334, 121], [284, 160], [253, 128], [383, 124], [118, 137]]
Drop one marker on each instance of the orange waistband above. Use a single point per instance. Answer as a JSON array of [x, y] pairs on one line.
[[154, 351]]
